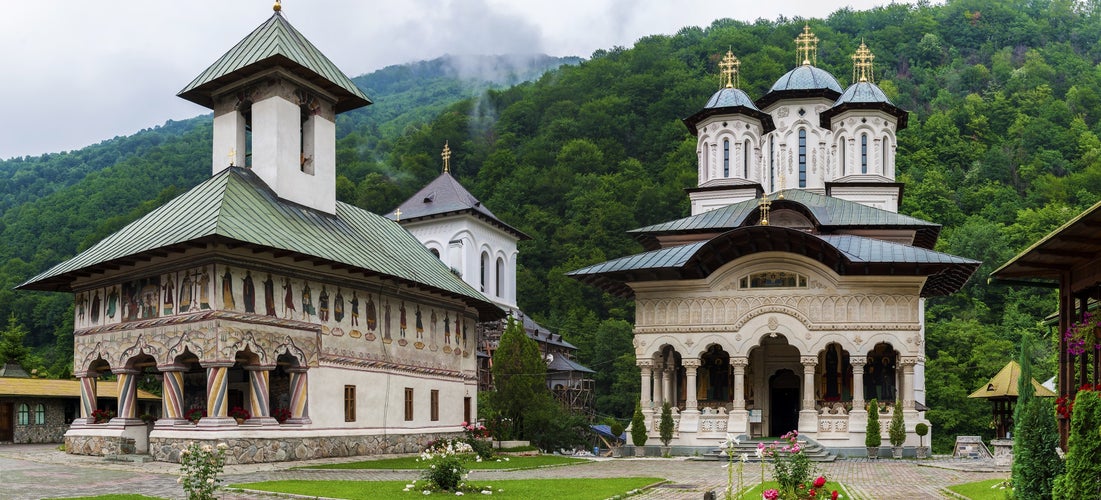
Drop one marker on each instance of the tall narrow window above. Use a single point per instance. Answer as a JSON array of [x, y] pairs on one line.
[[23, 414], [349, 403], [434, 403], [772, 162], [726, 157], [884, 145], [842, 156], [745, 159], [500, 277], [484, 270], [802, 157], [408, 404], [466, 409], [863, 153], [39, 414]]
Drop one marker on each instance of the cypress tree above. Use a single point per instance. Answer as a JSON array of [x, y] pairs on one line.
[[1035, 437], [1083, 475]]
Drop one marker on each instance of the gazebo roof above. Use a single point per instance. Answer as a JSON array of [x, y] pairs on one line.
[[1004, 385]]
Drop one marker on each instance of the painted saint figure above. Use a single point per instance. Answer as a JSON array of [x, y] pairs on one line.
[[386, 319], [307, 301], [446, 329], [112, 302], [420, 324], [269, 296], [204, 290], [288, 299], [187, 293], [227, 291], [372, 318], [248, 289], [169, 294], [95, 307], [323, 304], [401, 319], [338, 306], [81, 303]]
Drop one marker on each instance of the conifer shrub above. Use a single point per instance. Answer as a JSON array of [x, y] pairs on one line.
[[665, 428], [638, 427], [897, 431], [872, 437], [1083, 468], [1035, 437]]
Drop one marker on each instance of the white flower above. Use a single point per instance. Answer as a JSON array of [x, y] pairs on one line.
[[410, 486], [506, 459], [222, 446], [210, 481], [207, 448], [179, 480], [458, 493], [760, 452], [487, 492], [479, 459], [426, 492], [745, 457]]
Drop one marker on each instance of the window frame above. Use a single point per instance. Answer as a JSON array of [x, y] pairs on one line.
[[39, 414], [863, 153], [726, 158], [802, 157], [23, 414], [408, 404], [349, 403], [434, 405]]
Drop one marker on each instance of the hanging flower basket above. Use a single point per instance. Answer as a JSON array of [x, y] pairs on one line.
[[1084, 335]]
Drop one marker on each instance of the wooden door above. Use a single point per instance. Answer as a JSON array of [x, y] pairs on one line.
[[7, 422]]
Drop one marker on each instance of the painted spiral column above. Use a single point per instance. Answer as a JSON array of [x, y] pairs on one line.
[[300, 411], [217, 384], [88, 396], [259, 394], [128, 392], [172, 394]]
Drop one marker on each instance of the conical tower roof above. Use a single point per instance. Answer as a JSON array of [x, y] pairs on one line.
[[1004, 384], [443, 197]]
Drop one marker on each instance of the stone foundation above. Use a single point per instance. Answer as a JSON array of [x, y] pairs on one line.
[[291, 448], [98, 445]]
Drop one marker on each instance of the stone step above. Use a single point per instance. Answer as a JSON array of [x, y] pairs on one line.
[[814, 451], [128, 457]]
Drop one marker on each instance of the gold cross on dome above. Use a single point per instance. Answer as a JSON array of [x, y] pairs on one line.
[[446, 157], [232, 156], [862, 64], [729, 70], [397, 214], [806, 46]]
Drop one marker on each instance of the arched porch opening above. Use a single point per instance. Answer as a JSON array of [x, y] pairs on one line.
[[193, 385], [668, 373], [280, 386], [96, 372], [774, 386], [881, 373], [834, 376], [138, 372], [714, 378], [783, 390]]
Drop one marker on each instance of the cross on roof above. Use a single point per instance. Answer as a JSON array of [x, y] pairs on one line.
[[232, 156], [397, 214], [446, 154], [729, 70], [862, 64], [806, 46]]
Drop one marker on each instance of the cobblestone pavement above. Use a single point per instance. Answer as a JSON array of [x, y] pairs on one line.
[[41, 471]]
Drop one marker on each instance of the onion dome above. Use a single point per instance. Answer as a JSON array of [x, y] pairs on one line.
[[804, 81], [730, 100], [864, 94]]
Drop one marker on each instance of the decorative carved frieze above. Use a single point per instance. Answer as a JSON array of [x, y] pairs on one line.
[[816, 311]]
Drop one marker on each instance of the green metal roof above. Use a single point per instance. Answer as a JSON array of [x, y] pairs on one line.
[[275, 43], [236, 205], [828, 213], [845, 254]]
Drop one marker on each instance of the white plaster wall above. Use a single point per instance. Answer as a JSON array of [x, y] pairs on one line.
[[471, 237], [380, 400]]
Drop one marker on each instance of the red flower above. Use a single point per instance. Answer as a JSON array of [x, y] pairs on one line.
[[820, 482], [833, 496], [812, 493]]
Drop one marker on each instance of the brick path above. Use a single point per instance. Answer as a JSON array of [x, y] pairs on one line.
[[40, 471]]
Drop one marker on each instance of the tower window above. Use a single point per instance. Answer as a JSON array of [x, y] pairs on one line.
[[484, 270], [745, 159], [802, 157], [842, 155], [772, 162], [863, 153], [726, 157], [500, 280], [884, 146]]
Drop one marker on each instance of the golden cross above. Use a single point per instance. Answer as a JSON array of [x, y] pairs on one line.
[[232, 156], [446, 157], [729, 70], [781, 190], [806, 46], [764, 205], [277, 7], [862, 64], [397, 213]]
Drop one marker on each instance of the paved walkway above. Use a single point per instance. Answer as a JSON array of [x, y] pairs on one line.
[[41, 471]]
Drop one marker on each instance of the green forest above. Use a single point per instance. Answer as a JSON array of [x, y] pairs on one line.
[[1004, 145]]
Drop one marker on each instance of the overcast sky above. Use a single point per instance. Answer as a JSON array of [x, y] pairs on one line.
[[75, 73]]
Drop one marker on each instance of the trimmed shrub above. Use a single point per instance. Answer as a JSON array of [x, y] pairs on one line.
[[897, 432], [872, 437], [1083, 468], [665, 428], [1035, 437], [638, 427]]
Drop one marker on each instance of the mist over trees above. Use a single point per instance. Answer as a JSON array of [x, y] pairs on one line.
[[1003, 146]]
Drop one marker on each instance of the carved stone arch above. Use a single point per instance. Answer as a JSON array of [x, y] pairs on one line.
[[90, 356], [140, 346], [840, 338], [246, 339], [711, 339], [191, 340], [878, 309], [694, 312], [893, 313], [289, 347], [682, 312], [897, 341], [654, 350]]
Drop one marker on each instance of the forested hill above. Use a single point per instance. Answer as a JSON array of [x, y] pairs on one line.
[[1002, 146], [55, 204]]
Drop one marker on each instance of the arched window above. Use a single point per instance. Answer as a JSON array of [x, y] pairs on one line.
[[434, 252], [863, 153], [886, 143], [772, 162], [39, 414], [484, 268], [500, 277], [745, 159], [23, 414], [842, 156], [802, 157], [726, 157]]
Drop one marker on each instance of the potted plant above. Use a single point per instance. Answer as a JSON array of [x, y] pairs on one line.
[[872, 437], [897, 431], [101, 416], [194, 414], [921, 430], [281, 414], [239, 414], [617, 432], [638, 432], [665, 429], [148, 418]]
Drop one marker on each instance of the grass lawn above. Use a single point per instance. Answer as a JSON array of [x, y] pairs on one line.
[[512, 463], [112, 497], [562, 489], [756, 491], [982, 490]]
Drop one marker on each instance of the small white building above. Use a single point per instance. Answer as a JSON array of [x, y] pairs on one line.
[[795, 292], [280, 321]]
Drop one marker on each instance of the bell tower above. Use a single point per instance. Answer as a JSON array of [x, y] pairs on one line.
[[275, 97]]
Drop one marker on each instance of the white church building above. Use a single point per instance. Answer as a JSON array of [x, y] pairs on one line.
[[794, 292]]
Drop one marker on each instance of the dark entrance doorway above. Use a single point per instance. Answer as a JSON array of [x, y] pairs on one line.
[[784, 402], [7, 422]]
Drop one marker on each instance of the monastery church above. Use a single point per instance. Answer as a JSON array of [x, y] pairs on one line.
[[278, 320], [795, 292]]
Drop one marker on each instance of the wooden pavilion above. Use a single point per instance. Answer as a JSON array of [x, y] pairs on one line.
[[1068, 259], [1002, 392]]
